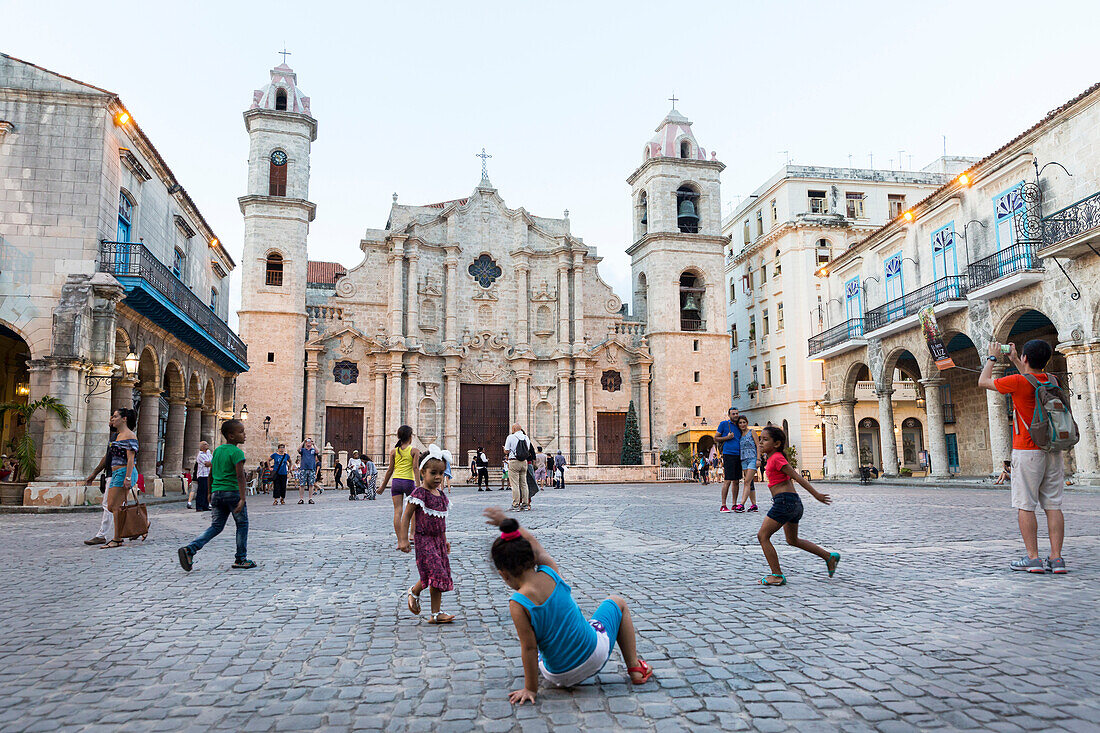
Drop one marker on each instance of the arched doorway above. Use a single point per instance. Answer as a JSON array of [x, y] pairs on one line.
[[912, 443], [870, 443], [14, 384]]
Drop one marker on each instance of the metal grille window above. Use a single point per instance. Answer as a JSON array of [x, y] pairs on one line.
[[274, 274], [345, 372], [485, 270]]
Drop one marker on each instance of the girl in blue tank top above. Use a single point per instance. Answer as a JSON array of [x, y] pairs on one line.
[[555, 638]]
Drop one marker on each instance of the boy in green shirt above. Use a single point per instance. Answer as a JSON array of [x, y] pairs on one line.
[[227, 496]]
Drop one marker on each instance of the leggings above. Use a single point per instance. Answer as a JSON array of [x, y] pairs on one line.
[[279, 492]]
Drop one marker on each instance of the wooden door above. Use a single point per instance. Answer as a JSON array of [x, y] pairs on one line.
[[344, 428], [610, 427], [483, 420]]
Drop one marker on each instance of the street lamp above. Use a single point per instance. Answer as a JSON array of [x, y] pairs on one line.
[[130, 365], [267, 423], [244, 412]]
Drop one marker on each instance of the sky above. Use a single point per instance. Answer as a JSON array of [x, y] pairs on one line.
[[562, 95]]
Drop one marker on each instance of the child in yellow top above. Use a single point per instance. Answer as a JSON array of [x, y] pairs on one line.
[[402, 459]]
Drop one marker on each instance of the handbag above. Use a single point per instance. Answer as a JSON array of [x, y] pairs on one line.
[[532, 484], [132, 520]]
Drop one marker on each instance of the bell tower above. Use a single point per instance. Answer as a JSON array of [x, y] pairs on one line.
[[277, 213], [677, 262]]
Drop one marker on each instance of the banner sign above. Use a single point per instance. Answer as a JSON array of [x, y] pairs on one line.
[[934, 337]]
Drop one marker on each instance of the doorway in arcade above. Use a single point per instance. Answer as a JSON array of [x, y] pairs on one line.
[[483, 421]]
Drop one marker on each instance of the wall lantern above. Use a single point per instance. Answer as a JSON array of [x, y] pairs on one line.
[[244, 412]]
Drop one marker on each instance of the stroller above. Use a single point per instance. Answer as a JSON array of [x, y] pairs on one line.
[[358, 484]]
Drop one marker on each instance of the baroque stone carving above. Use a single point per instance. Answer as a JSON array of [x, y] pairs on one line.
[[345, 288]]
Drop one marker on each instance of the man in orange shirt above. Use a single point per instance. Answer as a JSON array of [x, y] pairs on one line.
[[1037, 475]]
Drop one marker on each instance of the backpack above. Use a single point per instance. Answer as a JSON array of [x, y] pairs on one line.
[[523, 450], [1052, 426]]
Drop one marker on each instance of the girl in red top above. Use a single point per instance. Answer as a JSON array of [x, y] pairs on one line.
[[786, 507]]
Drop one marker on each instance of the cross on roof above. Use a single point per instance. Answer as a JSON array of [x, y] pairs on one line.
[[484, 162], [673, 100], [284, 52]]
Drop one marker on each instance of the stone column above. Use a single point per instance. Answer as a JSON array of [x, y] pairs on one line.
[[1080, 394], [192, 434], [1000, 425], [847, 462], [830, 448], [450, 328], [578, 297], [523, 304], [122, 393], [173, 439], [887, 437], [412, 304], [393, 397], [450, 407], [590, 417], [397, 263], [643, 411], [309, 429], [59, 456], [378, 421], [412, 394], [96, 431], [209, 422], [563, 412], [563, 305], [148, 422], [937, 440]]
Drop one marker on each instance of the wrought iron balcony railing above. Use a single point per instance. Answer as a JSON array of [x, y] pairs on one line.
[[692, 324], [1071, 221], [134, 260], [827, 339], [1017, 258], [952, 287], [948, 413]]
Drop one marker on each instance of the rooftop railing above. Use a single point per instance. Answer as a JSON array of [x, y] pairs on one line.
[[952, 287]]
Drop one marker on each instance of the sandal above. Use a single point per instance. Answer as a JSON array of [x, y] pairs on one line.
[[441, 618], [310, 501], [643, 669], [301, 501], [832, 562], [782, 579], [414, 601], [275, 503], [111, 544]]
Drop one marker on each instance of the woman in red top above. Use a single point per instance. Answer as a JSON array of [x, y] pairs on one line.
[[786, 508]]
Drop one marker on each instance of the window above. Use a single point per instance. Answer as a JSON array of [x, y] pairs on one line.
[[691, 303], [485, 270], [733, 291], [277, 174], [765, 321], [345, 372], [779, 317], [944, 261], [695, 344], [782, 370], [643, 204], [685, 148], [733, 336], [763, 272], [754, 377], [280, 99], [775, 213], [687, 210], [695, 376], [177, 263], [894, 286], [778, 265], [1005, 206], [611, 381], [817, 202], [274, 275], [759, 222], [698, 411], [853, 205], [736, 383], [820, 315], [748, 237], [213, 299], [824, 252], [125, 214], [271, 357], [853, 299], [897, 204], [752, 327], [767, 374], [747, 279]]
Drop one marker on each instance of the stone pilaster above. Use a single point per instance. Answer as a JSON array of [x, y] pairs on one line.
[[563, 307], [1081, 393], [937, 440], [450, 407], [397, 292], [886, 433], [96, 430], [1000, 426], [578, 297], [393, 396], [412, 303], [523, 304], [848, 461], [148, 422], [563, 410], [378, 421], [590, 417], [643, 409], [450, 320]]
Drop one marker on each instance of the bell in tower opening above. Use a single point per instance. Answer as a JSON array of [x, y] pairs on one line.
[[686, 217], [691, 303]]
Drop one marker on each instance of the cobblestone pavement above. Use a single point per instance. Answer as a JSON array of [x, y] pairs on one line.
[[924, 627]]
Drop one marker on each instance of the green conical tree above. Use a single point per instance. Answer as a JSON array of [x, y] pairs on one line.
[[632, 439]]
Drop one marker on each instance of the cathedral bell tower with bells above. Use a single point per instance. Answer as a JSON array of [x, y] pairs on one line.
[[677, 261], [277, 213]]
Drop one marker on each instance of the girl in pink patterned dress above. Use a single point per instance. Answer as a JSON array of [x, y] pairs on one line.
[[429, 505]]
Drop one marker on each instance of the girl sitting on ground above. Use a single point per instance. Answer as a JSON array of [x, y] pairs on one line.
[[554, 636], [786, 508], [432, 548]]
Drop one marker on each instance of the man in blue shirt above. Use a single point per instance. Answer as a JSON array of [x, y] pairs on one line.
[[729, 437]]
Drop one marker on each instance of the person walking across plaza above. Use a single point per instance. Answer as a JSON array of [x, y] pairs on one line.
[[554, 636], [559, 470], [1037, 475], [749, 461], [337, 474], [121, 460], [280, 471], [540, 466], [403, 458], [308, 474], [786, 508], [481, 467], [202, 477], [729, 437], [428, 503], [228, 493], [519, 451]]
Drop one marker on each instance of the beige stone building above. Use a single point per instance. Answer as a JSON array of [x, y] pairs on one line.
[[1008, 251], [104, 254], [466, 315]]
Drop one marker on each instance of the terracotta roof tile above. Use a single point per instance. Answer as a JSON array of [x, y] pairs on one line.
[[324, 273]]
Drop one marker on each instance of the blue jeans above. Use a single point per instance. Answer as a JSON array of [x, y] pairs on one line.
[[222, 504]]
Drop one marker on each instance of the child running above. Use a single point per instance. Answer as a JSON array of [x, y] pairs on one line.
[[432, 548], [402, 459], [786, 507], [553, 634], [749, 460]]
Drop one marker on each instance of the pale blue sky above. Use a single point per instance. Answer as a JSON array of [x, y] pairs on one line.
[[563, 95]]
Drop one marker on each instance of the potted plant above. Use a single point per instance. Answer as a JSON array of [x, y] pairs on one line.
[[24, 449], [905, 471]]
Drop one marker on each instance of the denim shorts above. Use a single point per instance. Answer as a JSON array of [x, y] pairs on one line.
[[786, 508], [118, 475], [748, 463]]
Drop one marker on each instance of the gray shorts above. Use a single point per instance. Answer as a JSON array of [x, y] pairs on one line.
[[1038, 479]]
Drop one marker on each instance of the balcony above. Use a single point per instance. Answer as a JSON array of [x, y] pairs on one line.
[[948, 413], [947, 293], [692, 324], [904, 391], [153, 291], [1072, 231], [1010, 269], [838, 339], [765, 344]]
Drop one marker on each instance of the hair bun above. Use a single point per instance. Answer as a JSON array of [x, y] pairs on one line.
[[509, 525]]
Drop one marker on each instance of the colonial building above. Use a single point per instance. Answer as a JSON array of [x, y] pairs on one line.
[[103, 254], [1006, 251], [780, 235], [466, 315]]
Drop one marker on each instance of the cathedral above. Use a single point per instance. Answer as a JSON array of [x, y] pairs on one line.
[[465, 316]]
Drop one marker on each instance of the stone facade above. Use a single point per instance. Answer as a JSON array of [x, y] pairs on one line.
[[70, 153], [459, 294], [1021, 234]]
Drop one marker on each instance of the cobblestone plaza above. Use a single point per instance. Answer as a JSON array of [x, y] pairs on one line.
[[924, 626]]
